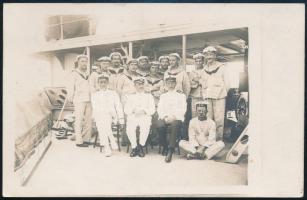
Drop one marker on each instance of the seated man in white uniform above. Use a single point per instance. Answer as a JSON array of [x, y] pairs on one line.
[[139, 108], [107, 109], [171, 110], [202, 136]]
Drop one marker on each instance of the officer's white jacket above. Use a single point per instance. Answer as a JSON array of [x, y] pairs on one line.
[[172, 103], [202, 133], [140, 101], [106, 102]]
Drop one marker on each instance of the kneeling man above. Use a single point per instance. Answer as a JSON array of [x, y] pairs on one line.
[[139, 108], [107, 109], [202, 136]]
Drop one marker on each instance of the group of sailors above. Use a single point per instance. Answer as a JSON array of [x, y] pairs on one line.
[[151, 97]]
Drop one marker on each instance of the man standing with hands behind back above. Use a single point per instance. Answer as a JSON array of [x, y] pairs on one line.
[[78, 92], [214, 88]]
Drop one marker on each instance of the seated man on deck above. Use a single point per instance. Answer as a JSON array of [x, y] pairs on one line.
[[107, 109], [139, 109], [171, 110], [202, 136]]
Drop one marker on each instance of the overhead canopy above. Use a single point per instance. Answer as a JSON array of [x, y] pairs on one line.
[[229, 39], [230, 43]]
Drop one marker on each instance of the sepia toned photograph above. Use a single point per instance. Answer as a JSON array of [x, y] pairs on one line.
[[131, 100]]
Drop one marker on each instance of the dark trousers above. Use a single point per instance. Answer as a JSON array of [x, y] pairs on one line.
[[173, 128], [154, 137], [187, 118]]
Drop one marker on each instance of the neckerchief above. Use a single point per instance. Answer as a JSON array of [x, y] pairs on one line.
[[114, 71], [162, 71], [129, 76], [218, 64], [213, 71], [142, 73], [81, 74], [174, 72], [106, 72], [153, 82]]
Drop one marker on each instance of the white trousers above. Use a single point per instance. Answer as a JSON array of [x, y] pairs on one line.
[[103, 123], [83, 121], [216, 112], [210, 152], [144, 123]]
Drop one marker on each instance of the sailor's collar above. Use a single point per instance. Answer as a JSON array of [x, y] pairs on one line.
[[82, 74], [176, 71], [129, 75], [153, 80], [142, 73], [213, 68], [118, 70]]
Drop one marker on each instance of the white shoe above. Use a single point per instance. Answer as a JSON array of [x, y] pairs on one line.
[[107, 152], [114, 145]]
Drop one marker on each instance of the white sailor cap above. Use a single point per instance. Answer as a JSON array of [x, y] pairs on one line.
[[94, 67], [115, 53], [201, 104], [209, 49], [139, 79], [132, 61], [103, 76], [169, 78], [143, 57], [104, 59], [198, 55], [81, 56], [163, 57], [175, 55]]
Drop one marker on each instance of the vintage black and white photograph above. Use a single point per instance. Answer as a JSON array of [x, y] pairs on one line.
[[131, 100]]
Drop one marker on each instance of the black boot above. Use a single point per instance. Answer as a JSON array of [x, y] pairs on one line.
[[141, 151], [200, 153], [82, 145], [134, 152], [190, 156], [164, 151], [169, 155]]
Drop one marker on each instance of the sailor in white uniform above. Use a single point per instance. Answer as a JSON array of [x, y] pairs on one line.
[[116, 70], [215, 86], [202, 136], [78, 92]]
